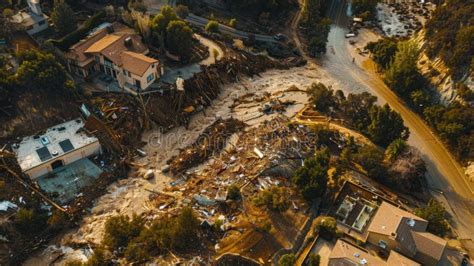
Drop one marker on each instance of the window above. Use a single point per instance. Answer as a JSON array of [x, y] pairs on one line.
[[124, 72], [382, 244], [42, 22], [153, 66], [150, 78], [97, 59]]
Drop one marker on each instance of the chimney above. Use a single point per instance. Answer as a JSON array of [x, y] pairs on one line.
[[128, 42], [110, 29]]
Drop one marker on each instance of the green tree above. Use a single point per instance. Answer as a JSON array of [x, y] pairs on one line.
[[403, 75], [323, 98], [326, 226], [160, 22], [395, 149], [287, 260], [275, 198], [212, 26], [386, 126], [185, 230], [357, 108], [383, 51], [319, 36], [233, 192], [40, 70], [63, 18], [311, 12], [371, 159], [120, 230], [312, 177], [182, 11], [434, 213], [179, 38], [420, 99]]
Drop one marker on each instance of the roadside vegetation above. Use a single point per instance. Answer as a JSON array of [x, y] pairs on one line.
[[453, 122], [315, 26], [393, 162], [434, 213], [449, 34]]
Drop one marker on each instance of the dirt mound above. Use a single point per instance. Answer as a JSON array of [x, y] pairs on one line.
[[212, 140]]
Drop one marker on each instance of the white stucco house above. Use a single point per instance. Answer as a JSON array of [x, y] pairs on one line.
[[32, 18], [56, 147]]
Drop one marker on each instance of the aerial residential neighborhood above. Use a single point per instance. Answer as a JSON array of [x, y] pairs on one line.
[[219, 132]]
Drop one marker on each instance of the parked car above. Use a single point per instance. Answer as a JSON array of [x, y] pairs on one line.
[[279, 37]]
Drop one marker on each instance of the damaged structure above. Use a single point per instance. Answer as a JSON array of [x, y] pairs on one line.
[[58, 146], [32, 18], [57, 160], [118, 52]]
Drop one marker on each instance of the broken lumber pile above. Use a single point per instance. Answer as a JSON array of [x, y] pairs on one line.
[[212, 140]]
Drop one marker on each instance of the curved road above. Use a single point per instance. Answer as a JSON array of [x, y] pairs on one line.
[[444, 173]]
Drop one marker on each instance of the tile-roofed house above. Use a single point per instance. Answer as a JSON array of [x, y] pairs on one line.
[[117, 51], [347, 254], [136, 63], [398, 259], [430, 248], [395, 229]]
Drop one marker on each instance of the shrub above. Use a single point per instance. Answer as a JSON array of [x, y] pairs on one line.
[[312, 177], [287, 260], [434, 213], [212, 26], [120, 230], [233, 192], [274, 198], [327, 227], [233, 22]]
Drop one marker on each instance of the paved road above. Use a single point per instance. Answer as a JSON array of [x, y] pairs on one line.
[[444, 173], [202, 22], [154, 7]]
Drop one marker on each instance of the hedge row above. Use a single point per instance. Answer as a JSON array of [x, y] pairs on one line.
[[67, 41]]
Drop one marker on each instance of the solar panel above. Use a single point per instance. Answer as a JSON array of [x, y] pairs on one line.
[[43, 154], [66, 145]]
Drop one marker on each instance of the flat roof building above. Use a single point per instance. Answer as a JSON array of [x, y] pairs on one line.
[[58, 146]]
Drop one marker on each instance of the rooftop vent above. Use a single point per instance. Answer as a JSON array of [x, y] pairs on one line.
[[128, 41], [411, 222], [363, 261], [44, 140], [356, 255]]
